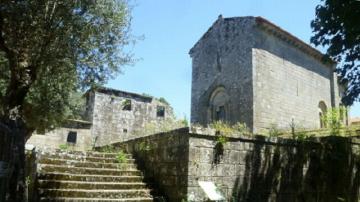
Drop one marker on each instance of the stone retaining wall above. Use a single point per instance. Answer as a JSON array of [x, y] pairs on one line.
[[164, 160], [251, 168]]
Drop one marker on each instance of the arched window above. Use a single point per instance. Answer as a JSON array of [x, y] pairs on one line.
[[218, 105], [322, 113]]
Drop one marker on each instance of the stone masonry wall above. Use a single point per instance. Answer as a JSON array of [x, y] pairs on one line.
[[164, 159], [55, 138], [111, 123], [222, 58], [298, 100], [289, 84], [268, 75], [251, 168]]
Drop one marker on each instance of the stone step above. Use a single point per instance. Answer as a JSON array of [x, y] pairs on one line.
[[83, 158], [87, 153], [78, 163], [89, 178], [65, 199], [59, 184], [44, 168], [89, 193]]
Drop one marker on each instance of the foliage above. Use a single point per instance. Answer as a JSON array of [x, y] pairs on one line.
[[228, 130], [121, 157], [185, 122], [274, 131], [27, 180], [143, 146], [337, 28], [298, 132], [64, 146], [221, 139], [332, 120], [126, 104], [108, 149], [242, 128], [301, 135], [222, 128], [50, 49], [164, 101]]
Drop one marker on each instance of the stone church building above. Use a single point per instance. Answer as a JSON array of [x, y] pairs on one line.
[[246, 69]]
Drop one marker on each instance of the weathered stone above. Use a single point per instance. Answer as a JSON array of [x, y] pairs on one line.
[[258, 172], [246, 69], [119, 116], [74, 176]]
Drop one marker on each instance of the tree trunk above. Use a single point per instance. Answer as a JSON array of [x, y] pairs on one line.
[[12, 161]]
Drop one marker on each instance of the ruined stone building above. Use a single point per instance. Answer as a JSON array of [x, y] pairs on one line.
[[246, 69], [111, 116], [115, 115]]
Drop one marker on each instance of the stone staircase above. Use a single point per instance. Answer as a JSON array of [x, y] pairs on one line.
[[89, 176]]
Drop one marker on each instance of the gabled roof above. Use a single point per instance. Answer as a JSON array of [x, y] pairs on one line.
[[275, 30]]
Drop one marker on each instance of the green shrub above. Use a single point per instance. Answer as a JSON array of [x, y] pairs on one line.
[[274, 131], [332, 120], [144, 147], [121, 157], [242, 128], [301, 135], [227, 130], [108, 149], [222, 128], [163, 100], [63, 146]]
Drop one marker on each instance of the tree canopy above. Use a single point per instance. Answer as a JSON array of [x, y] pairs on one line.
[[49, 49], [337, 28]]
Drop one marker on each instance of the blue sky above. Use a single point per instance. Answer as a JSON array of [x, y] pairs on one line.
[[171, 27]]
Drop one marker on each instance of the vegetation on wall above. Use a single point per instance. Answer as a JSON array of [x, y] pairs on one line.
[[226, 129], [332, 120], [163, 100], [223, 131]]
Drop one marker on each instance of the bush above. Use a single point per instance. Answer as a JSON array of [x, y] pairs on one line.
[[121, 157], [227, 130], [332, 119], [274, 131]]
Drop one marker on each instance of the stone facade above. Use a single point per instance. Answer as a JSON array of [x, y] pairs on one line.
[[111, 116], [118, 115], [255, 168], [246, 69], [60, 136]]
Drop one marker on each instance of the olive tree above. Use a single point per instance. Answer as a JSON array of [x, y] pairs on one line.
[[49, 50]]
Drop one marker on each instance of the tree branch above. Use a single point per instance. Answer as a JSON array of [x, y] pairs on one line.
[[9, 53]]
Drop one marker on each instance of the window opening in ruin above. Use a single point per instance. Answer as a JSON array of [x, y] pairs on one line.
[[71, 138], [126, 105], [124, 130], [160, 111]]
